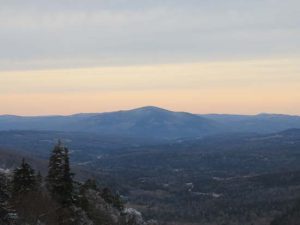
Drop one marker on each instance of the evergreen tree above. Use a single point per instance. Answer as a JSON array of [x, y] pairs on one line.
[[24, 179], [39, 180], [112, 198], [68, 181], [59, 179]]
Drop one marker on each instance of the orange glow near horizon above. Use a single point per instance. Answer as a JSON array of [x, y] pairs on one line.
[[240, 87]]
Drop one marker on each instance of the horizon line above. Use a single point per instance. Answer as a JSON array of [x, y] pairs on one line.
[[144, 107]]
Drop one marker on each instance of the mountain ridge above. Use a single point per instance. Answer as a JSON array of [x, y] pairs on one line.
[[150, 107], [152, 122]]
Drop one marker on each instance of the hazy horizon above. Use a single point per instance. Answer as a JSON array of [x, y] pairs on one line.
[[147, 106]]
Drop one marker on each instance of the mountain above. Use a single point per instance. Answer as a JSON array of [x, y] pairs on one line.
[[152, 123], [146, 122], [261, 123]]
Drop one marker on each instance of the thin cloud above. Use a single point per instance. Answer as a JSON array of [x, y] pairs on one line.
[[64, 33]]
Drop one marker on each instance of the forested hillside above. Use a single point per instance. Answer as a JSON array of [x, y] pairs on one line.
[[233, 178]]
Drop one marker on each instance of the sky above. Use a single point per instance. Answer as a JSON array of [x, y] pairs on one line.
[[201, 56]]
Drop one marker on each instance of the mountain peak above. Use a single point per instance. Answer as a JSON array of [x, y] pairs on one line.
[[150, 108]]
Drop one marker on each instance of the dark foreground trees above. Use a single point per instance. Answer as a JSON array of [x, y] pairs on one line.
[[59, 179], [24, 179], [57, 199], [28, 202]]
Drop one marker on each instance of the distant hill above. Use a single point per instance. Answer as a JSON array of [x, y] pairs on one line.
[[146, 122], [261, 123], [152, 123]]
